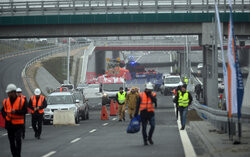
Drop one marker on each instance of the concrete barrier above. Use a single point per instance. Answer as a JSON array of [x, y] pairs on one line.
[[62, 117]]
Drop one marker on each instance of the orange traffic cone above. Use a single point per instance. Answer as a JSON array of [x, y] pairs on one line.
[[104, 113], [2, 121], [113, 111]]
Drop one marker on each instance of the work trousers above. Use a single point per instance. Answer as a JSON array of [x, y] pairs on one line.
[[121, 111], [14, 135], [145, 121], [37, 120], [131, 112], [183, 114]]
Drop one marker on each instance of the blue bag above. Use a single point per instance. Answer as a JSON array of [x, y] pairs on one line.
[[134, 125]]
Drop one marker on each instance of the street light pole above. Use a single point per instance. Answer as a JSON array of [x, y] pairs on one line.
[[68, 56]]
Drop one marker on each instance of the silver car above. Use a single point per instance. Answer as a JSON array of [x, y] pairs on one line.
[[61, 101]]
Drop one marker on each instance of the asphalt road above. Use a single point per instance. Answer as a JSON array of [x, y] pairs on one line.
[[103, 138], [11, 70]]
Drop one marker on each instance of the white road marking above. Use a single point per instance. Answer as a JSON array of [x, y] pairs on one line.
[[92, 131], [75, 140], [187, 145], [105, 124], [197, 77], [5, 134], [30, 127], [114, 118], [49, 154]]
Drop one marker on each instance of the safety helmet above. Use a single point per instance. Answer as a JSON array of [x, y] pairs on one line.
[[37, 91], [10, 88], [18, 90], [149, 86]]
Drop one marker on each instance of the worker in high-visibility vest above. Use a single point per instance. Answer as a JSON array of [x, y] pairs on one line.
[[19, 93], [13, 111], [184, 99], [37, 103], [120, 98], [146, 103], [186, 80]]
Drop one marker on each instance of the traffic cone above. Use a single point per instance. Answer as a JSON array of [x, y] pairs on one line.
[[113, 111], [104, 113], [2, 121]]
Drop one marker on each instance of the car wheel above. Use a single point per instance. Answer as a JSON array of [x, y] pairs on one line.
[[87, 117], [165, 92], [77, 120], [83, 116]]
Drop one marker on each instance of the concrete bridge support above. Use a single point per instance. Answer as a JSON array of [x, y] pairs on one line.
[[115, 54], [181, 63], [100, 62], [243, 54]]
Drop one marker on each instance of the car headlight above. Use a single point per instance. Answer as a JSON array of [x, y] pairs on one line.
[[46, 110], [73, 109]]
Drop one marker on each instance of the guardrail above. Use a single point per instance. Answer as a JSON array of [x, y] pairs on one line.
[[39, 58], [57, 7]]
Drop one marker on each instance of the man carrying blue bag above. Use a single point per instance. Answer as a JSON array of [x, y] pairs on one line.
[[145, 104], [134, 125]]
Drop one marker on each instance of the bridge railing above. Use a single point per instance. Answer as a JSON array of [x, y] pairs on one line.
[[79, 7]]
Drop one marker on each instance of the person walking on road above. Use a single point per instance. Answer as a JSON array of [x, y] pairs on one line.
[[13, 111], [37, 103], [145, 104], [19, 93], [177, 90], [120, 98], [184, 99], [130, 101], [186, 80], [197, 90]]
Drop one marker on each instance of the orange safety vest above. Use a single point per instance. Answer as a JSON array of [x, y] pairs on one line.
[[61, 89], [146, 102], [18, 105], [40, 102]]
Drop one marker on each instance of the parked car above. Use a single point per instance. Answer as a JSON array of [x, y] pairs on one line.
[[69, 86], [169, 83], [199, 69], [61, 101], [84, 107], [220, 85]]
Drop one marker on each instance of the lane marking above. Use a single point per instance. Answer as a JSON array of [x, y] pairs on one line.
[[49, 154], [30, 127], [75, 140], [92, 131], [5, 134], [187, 145], [105, 124], [114, 118]]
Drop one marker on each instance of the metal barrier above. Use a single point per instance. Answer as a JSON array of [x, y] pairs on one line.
[[57, 7], [39, 58], [85, 58]]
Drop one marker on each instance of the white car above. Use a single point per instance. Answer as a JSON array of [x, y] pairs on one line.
[[170, 82], [61, 101]]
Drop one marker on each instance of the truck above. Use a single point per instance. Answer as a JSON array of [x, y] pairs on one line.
[[169, 83]]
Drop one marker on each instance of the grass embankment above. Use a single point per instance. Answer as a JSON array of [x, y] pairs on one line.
[[57, 67], [12, 46]]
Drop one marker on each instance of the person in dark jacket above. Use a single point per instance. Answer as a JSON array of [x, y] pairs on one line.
[[13, 111], [197, 90], [184, 99], [37, 103], [145, 104], [178, 89]]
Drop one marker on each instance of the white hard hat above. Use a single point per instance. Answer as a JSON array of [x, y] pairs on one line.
[[10, 88], [37, 91], [149, 86], [18, 90]]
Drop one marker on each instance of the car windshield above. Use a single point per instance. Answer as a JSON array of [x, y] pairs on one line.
[[111, 87], [60, 99], [172, 80]]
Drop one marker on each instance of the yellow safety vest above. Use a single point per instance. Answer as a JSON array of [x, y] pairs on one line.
[[186, 80], [121, 97], [183, 99]]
